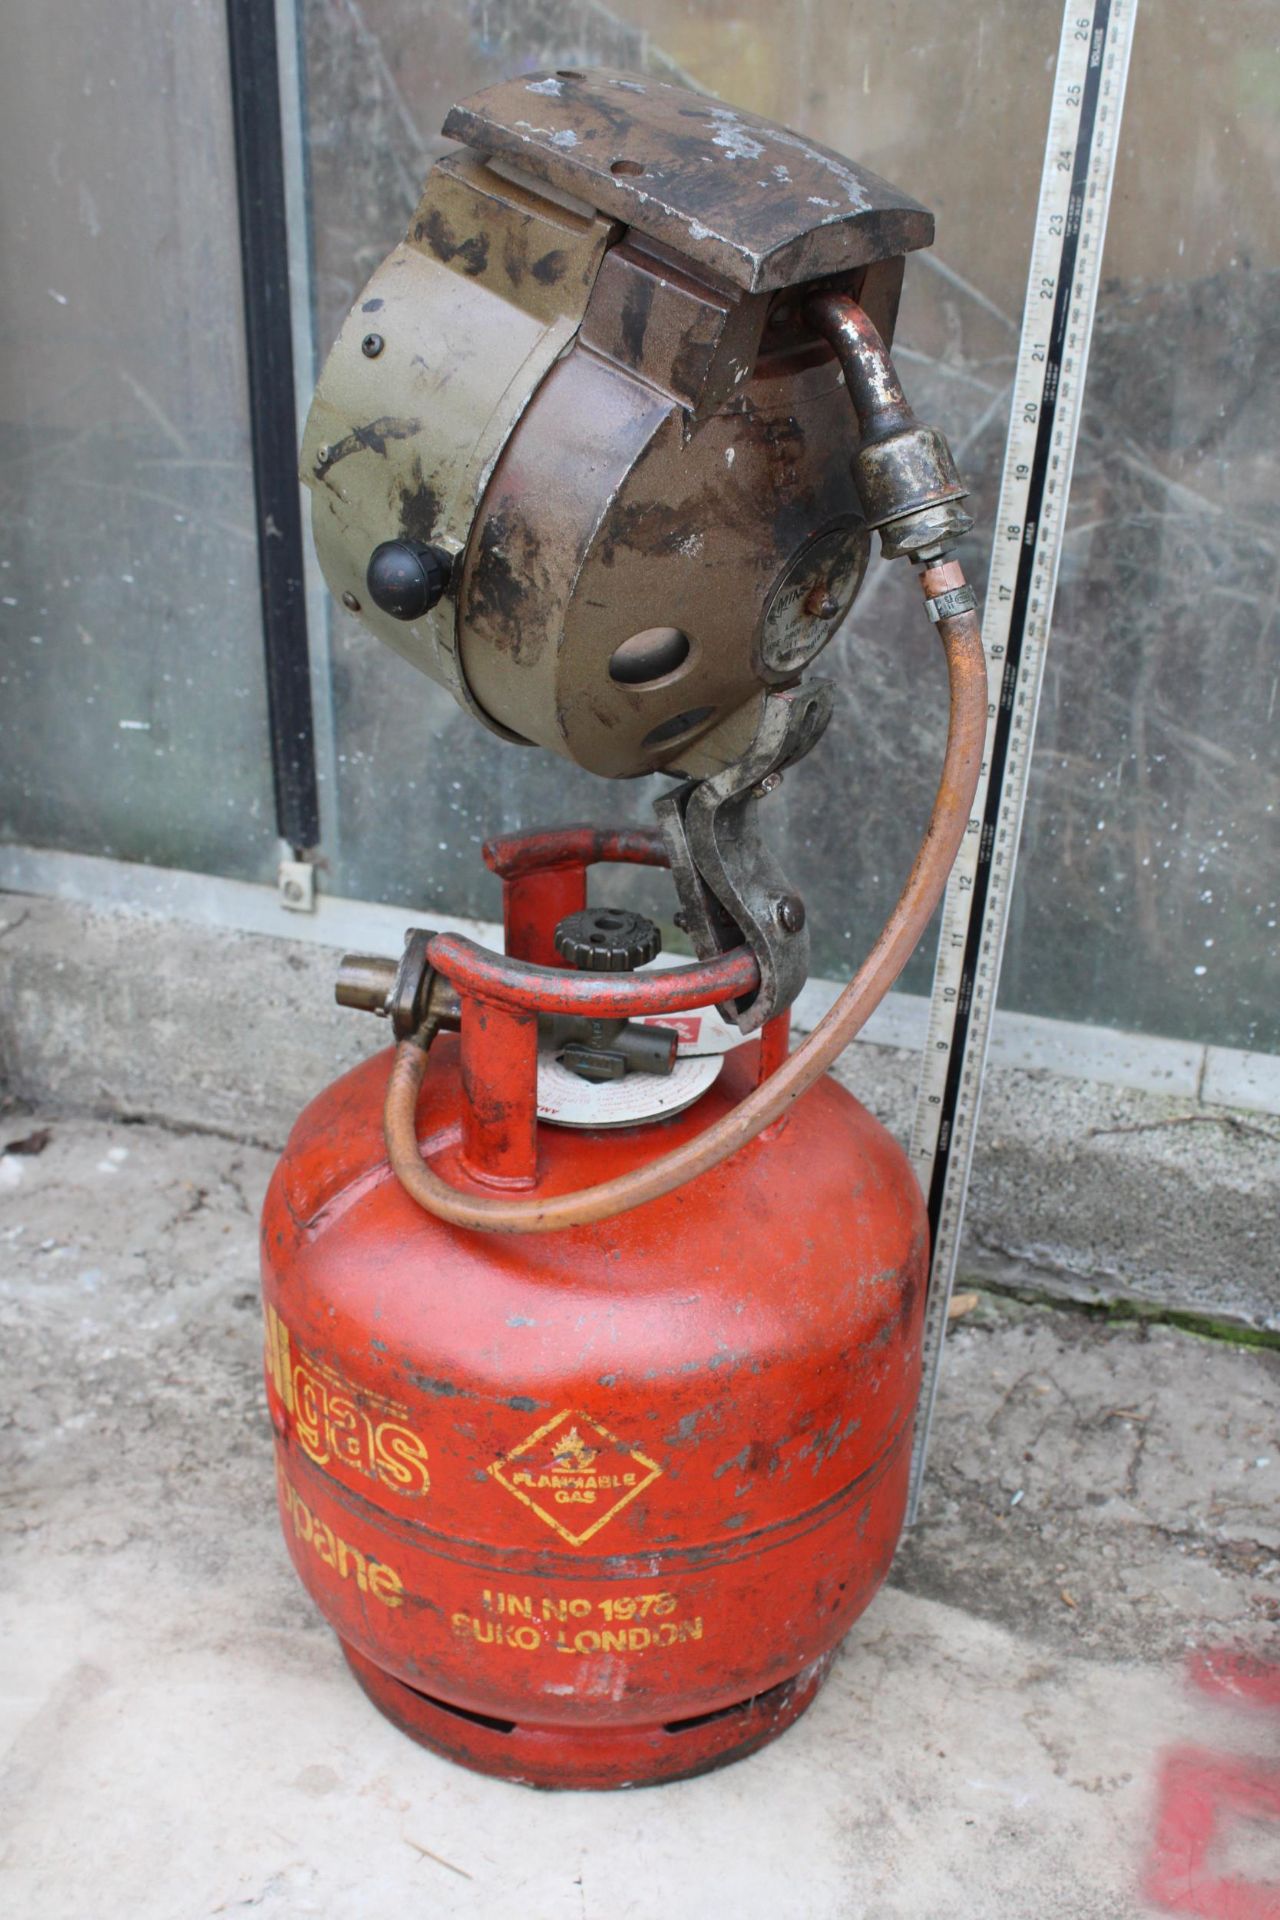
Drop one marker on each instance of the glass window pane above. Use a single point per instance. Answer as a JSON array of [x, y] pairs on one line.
[[133, 717]]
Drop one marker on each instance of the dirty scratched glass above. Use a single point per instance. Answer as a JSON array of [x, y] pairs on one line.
[[133, 708], [1148, 883]]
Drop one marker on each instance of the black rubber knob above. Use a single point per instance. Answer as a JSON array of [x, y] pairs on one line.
[[607, 940], [406, 578]]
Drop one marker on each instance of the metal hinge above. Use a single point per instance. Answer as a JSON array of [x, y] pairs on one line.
[[296, 884]]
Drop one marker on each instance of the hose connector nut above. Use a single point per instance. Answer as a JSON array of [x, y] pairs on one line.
[[909, 489]]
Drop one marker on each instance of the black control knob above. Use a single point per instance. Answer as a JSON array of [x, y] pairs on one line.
[[606, 940], [406, 578]]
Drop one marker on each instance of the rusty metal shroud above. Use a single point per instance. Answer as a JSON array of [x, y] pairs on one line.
[[755, 203]]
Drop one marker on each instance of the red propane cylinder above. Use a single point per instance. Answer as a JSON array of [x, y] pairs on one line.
[[593, 1437], [594, 1508]]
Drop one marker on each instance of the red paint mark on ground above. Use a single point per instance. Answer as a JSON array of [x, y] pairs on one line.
[[1239, 1677], [1201, 1795]]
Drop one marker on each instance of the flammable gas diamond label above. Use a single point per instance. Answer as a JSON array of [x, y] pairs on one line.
[[574, 1474]]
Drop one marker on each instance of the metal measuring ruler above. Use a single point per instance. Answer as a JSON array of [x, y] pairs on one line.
[[1048, 393]]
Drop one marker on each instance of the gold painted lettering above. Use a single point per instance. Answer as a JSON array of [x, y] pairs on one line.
[[277, 1356], [301, 1513], [358, 1562], [340, 1423], [371, 1576], [309, 1413], [401, 1457], [348, 1432], [385, 1584]]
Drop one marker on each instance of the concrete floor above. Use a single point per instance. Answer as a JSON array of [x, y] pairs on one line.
[[1024, 1724]]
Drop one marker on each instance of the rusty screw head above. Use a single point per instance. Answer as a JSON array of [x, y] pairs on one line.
[[371, 346], [821, 603], [350, 602], [789, 912]]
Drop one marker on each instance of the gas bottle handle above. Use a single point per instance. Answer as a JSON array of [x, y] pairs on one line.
[[544, 878]]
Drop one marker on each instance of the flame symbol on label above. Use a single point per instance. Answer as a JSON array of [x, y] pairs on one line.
[[572, 1454]]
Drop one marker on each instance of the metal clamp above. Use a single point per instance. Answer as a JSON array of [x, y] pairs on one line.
[[944, 606], [732, 890]]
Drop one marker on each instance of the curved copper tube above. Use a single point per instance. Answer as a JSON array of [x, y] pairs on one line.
[[967, 677]]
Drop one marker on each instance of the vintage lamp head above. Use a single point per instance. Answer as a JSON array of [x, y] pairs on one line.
[[582, 450]]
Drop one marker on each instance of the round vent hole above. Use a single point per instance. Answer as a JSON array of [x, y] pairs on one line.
[[647, 656]]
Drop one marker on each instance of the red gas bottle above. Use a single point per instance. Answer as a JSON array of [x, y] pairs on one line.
[[594, 1507]]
